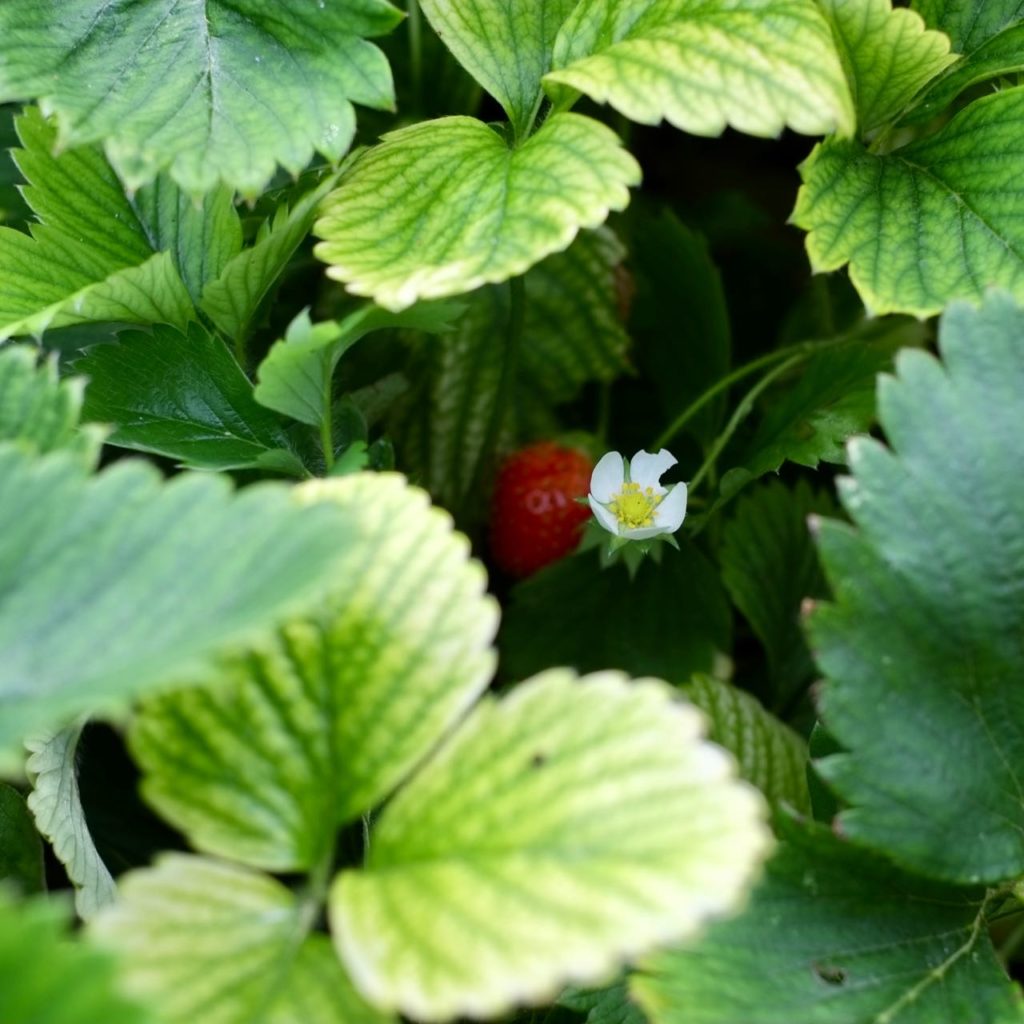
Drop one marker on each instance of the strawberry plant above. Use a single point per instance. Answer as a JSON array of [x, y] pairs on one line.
[[338, 684]]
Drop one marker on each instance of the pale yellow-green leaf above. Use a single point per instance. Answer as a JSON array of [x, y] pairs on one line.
[[756, 65], [565, 828], [200, 940], [889, 56], [317, 725], [445, 206]]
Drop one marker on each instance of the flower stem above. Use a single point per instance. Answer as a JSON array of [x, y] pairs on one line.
[[740, 413], [803, 349]]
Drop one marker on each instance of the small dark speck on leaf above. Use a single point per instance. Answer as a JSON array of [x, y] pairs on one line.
[[830, 974], [538, 760]]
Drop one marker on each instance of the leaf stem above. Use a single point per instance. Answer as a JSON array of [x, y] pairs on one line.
[[326, 426], [803, 349], [415, 47], [506, 382]]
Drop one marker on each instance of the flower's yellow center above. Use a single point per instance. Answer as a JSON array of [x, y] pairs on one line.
[[635, 508]]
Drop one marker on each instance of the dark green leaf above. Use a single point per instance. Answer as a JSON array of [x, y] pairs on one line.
[[669, 621], [183, 396], [834, 935], [922, 649], [769, 565], [219, 90], [21, 849], [680, 322]]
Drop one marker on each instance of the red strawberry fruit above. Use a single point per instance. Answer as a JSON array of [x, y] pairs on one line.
[[535, 518]]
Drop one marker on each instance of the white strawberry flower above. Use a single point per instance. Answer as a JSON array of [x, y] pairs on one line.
[[629, 500]]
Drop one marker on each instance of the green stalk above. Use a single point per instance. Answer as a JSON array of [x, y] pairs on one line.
[[803, 349], [741, 412], [507, 380], [415, 47], [326, 427]]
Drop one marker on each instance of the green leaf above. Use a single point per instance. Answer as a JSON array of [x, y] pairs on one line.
[[48, 977], [311, 729], [90, 258], [950, 205], [969, 23], [202, 237], [756, 65], [211, 91], [563, 829], [505, 47], [832, 936], [833, 398], [113, 584], [445, 206], [213, 942], [771, 756], [57, 808], [21, 850], [296, 376], [234, 297], [572, 334], [679, 320], [38, 411], [921, 650], [611, 1005], [888, 54], [183, 396], [769, 566], [670, 620]]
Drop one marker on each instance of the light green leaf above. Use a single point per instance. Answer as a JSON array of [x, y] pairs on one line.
[[836, 936], [201, 236], [771, 756], [922, 647], [234, 297], [90, 258], [113, 584], [888, 54], [506, 47], [317, 726], [572, 825], [211, 91], [296, 376], [183, 396], [38, 411], [57, 808], [50, 978], [445, 206], [937, 220], [203, 940], [571, 334], [21, 850], [769, 566], [670, 620], [702, 65]]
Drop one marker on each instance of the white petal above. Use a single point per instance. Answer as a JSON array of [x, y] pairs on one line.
[[604, 517], [669, 515], [646, 469], [608, 477], [643, 532]]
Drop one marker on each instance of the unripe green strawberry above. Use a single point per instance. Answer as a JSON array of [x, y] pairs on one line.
[[535, 518]]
